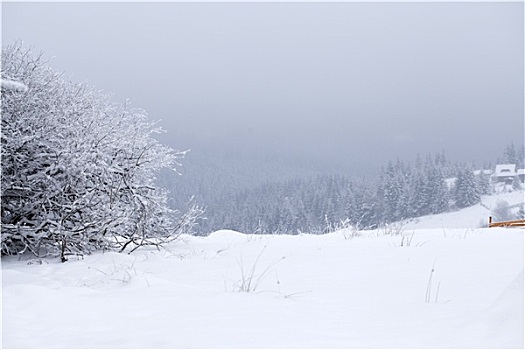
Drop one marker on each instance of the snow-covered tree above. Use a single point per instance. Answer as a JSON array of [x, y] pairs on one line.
[[78, 170], [390, 192], [436, 186], [514, 155], [420, 194], [396, 196], [483, 183], [466, 190]]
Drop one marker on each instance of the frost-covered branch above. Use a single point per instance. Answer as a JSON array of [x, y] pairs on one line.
[[12, 85]]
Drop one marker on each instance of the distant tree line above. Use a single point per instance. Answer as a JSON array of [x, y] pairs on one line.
[[402, 190]]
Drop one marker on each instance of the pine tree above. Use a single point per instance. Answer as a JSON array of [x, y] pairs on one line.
[[483, 183], [466, 190], [509, 154], [439, 191], [419, 199]]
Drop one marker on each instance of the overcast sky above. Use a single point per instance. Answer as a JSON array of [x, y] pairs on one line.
[[354, 82]]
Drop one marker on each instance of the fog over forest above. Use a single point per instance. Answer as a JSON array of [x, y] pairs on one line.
[[272, 92]]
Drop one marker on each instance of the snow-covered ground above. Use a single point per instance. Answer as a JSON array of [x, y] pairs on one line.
[[446, 285], [471, 217]]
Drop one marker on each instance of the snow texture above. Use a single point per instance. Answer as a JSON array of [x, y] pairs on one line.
[[434, 287], [12, 85]]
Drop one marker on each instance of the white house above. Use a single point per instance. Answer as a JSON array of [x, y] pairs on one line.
[[504, 173]]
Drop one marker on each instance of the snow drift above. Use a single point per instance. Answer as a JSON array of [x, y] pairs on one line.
[[443, 287]]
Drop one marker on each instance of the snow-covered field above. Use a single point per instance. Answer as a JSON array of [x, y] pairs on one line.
[[443, 286]]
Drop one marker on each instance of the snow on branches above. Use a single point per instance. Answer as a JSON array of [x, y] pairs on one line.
[[78, 170], [12, 85]]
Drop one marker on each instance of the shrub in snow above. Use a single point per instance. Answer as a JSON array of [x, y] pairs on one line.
[[521, 212], [392, 229], [502, 212], [77, 169], [252, 277]]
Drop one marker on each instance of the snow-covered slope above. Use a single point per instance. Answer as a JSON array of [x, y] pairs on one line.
[[436, 287], [471, 217]]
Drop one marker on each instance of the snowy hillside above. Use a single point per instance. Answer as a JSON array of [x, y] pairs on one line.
[[472, 217], [441, 286]]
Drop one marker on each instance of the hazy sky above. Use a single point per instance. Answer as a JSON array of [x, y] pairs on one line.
[[354, 82]]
